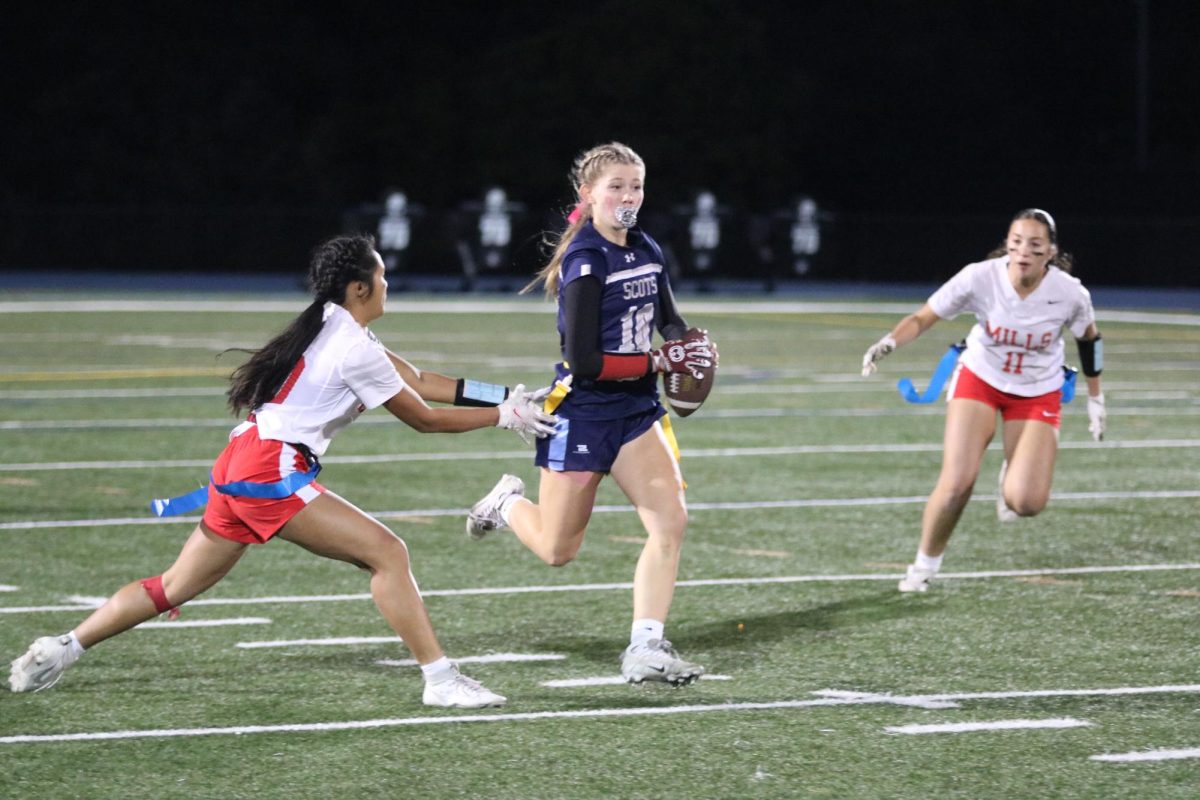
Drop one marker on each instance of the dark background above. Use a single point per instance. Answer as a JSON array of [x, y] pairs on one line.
[[232, 137]]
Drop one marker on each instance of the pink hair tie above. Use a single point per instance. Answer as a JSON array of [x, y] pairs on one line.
[[576, 213]]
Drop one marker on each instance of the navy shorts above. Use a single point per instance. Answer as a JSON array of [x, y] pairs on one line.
[[591, 445]]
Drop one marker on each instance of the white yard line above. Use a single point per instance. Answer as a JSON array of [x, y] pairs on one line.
[[490, 658], [733, 306], [336, 641], [1000, 725], [421, 513], [205, 623], [504, 455], [609, 680], [599, 713], [743, 413], [626, 586], [1149, 755]]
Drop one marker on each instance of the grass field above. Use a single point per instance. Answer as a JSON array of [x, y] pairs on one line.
[[1065, 638]]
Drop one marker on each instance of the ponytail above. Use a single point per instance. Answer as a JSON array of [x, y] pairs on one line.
[[588, 168], [335, 264]]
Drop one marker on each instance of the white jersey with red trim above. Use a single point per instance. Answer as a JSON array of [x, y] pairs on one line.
[[1016, 346], [344, 372]]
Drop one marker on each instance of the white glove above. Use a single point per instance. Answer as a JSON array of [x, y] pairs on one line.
[[1096, 416], [522, 412], [685, 355], [875, 352]]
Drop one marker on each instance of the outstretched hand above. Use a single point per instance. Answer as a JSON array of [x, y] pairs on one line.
[[876, 352], [522, 412]]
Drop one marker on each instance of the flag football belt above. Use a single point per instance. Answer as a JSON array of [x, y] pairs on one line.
[[276, 490], [945, 369]]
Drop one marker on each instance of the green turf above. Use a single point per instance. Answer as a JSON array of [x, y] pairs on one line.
[[788, 380]]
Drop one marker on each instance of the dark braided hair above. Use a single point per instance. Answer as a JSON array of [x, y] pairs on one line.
[[335, 264]]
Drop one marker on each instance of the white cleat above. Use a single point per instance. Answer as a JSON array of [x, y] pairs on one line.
[[656, 661], [461, 692], [1003, 512], [916, 579], [42, 665], [484, 517]]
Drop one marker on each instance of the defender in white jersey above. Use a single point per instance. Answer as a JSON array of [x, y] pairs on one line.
[[302, 388], [1022, 297]]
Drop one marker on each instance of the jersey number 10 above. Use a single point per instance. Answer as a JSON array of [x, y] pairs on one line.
[[635, 329]]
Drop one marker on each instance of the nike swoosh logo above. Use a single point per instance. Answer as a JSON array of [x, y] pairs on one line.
[[1049, 414], [1051, 302], [659, 669]]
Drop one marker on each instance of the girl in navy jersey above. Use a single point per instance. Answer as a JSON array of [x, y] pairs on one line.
[[1022, 296], [302, 388], [608, 278]]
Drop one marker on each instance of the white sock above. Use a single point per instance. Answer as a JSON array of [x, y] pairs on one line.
[[76, 648], [437, 671], [644, 630], [931, 563], [507, 505]]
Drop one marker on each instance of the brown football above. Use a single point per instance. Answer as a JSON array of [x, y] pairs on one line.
[[684, 392]]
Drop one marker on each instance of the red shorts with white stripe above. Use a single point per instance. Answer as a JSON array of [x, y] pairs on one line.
[[1043, 408], [254, 520]]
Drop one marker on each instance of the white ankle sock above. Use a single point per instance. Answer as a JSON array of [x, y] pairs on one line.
[[644, 630], [437, 671], [931, 563], [507, 505], [76, 648]]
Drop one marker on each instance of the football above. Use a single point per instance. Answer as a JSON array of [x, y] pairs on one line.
[[684, 392]]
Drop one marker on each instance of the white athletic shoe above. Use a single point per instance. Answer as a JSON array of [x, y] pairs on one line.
[[461, 692], [484, 517], [916, 579], [42, 665], [1003, 512], [657, 661]]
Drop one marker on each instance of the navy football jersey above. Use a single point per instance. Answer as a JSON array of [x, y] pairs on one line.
[[631, 278]]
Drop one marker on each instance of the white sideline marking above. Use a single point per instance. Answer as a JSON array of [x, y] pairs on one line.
[[206, 623], [610, 680], [884, 697], [491, 658], [163, 733], [716, 413], [4, 587], [1002, 725], [331, 642], [737, 307], [85, 600], [834, 502], [507, 455], [1149, 755], [600, 587]]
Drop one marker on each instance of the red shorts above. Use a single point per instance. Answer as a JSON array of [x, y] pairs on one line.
[[254, 520], [1043, 408]]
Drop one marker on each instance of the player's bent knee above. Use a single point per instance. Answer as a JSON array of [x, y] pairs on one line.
[[1028, 506]]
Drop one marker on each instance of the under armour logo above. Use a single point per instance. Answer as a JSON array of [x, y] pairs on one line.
[[630, 258]]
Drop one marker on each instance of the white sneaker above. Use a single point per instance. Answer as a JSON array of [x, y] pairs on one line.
[[461, 692], [1003, 512], [484, 517], [916, 579], [42, 665], [657, 661]]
